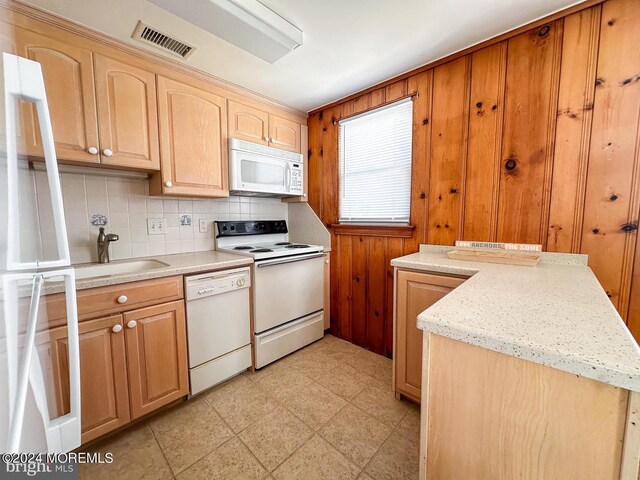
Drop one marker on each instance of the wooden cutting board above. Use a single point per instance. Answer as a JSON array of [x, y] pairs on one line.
[[487, 256]]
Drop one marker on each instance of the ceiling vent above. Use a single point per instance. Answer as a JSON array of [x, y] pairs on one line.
[[151, 36]]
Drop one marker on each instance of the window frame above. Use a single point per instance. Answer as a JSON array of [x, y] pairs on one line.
[[375, 228]]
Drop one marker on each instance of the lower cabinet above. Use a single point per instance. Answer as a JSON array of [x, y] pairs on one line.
[[130, 365], [157, 356], [415, 292]]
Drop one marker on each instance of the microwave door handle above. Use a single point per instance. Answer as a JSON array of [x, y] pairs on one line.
[[287, 176]]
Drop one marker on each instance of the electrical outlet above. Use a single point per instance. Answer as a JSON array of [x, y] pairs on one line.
[[156, 226], [203, 226]]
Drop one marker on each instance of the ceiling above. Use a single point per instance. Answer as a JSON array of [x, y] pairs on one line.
[[348, 44]]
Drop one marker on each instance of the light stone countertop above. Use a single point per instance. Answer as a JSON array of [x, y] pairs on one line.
[[178, 264], [554, 314]]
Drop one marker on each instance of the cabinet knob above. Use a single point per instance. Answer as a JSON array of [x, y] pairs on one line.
[[168, 184], [123, 299], [267, 139], [107, 153], [116, 328], [327, 261], [132, 324], [92, 150]]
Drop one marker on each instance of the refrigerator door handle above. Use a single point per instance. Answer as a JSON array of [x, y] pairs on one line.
[[18, 403], [24, 82], [62, 433]]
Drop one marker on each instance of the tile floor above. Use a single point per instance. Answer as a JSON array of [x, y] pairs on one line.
[[324, 412]]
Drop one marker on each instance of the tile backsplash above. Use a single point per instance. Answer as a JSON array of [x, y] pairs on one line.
[[124, 205]]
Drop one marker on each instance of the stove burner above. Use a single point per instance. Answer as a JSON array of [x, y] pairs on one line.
[[261, 250], [297, 245], [243, 247], [283, 243]]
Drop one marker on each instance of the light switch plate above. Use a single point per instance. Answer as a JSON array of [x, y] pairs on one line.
[[156, 226], [203, 226]]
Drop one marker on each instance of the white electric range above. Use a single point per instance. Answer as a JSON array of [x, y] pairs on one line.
[[287, 284]]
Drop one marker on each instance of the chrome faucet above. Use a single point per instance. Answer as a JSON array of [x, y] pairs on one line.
[[103, 245]]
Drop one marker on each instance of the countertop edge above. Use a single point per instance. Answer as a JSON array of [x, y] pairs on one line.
[[169, 271]]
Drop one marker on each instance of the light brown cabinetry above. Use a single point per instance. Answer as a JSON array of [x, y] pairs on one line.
[[284, 134], [488, 415], [103, 375], [127, 115], [131, 363], [258, 126], [102, 110], [69, 83], [248, 123], [415, 292], [193, 147], [157, 356], [327, 290]]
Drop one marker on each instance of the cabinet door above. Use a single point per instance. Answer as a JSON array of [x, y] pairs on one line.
[[193, 152], [415, 293], [284, 134], [127, 115], [157, 356], [327, 290], [103, 374], [247, 123], [69, 82]]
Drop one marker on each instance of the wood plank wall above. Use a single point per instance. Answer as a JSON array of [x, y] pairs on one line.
[[533, 138]]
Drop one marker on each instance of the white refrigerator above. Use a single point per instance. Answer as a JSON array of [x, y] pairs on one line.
[[39, 351]]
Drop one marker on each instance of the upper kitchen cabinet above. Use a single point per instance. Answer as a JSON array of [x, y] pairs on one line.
[[69, 82], [248, 123], [102, 110], [284, 134], [193, 147], [257, 126], [127, 115]]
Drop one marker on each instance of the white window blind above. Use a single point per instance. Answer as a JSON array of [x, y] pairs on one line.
[[375, 165]]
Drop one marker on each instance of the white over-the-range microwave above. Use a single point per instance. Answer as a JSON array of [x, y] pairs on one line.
[[264, 171]]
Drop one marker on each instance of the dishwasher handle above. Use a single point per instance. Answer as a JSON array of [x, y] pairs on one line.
[[202, 286]]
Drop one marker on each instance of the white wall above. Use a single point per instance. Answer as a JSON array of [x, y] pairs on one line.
[[127, 205]]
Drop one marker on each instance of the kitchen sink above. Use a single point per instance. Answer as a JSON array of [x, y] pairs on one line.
[[117, 268]]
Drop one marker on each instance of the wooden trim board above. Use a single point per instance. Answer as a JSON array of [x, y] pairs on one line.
[[494, 257]]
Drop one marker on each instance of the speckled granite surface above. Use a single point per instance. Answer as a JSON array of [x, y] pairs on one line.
[[178, 264], [554, 314]]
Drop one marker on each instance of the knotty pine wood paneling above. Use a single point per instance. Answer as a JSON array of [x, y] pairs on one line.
[[421, 84], [533, 66], [449, 122], [609, 229], [567, 101], [488, 67], [573, 129]]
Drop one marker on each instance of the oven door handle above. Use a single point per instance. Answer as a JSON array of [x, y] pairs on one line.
[[290, 260]]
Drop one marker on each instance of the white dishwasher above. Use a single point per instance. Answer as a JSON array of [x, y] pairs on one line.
[[218, 326]]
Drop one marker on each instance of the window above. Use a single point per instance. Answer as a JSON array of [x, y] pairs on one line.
[[375, 165]]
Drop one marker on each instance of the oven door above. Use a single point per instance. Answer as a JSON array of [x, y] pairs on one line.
[[250, 172], [286, 289]]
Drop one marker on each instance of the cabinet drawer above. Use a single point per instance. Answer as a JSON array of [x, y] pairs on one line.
[[103, 301]]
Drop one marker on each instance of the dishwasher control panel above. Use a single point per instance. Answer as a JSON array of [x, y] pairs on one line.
[[207, 284]]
